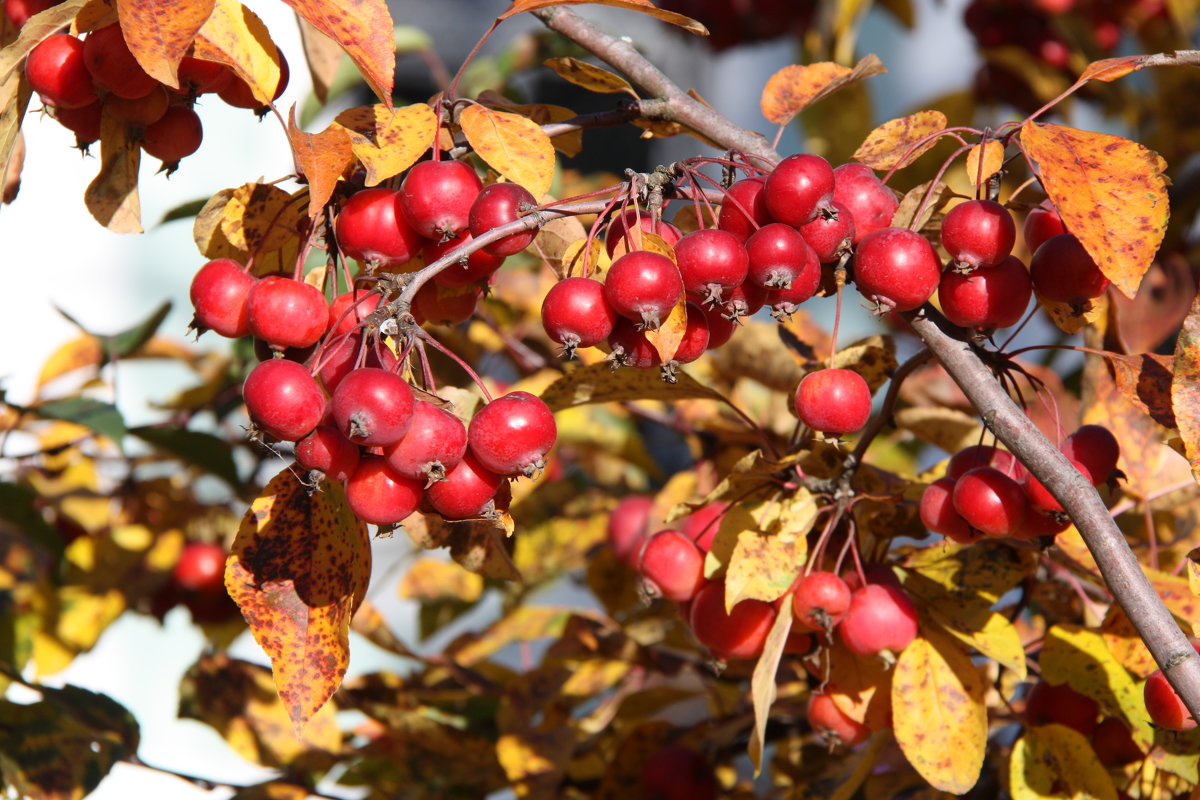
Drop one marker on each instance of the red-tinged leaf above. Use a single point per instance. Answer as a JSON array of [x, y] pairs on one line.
[[321, 158], [398, 141], [588, 76], [513, 145], [939, 714], [1185, 387], [1110, 192], [159, 32], [796, 87], [641, 6], [363, 28], [1109, 69], [36, 30], [113, 196], [762, 683], [1145, 380], [299, 568], [899, 142], [234, 35], [984, 160]]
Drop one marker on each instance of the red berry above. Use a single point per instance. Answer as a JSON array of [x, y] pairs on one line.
[[1063, 271], [627, 228], [434, 444], [978, 233], [1039, 496], [19, 11], [832, 724], [220, 293], [112, 66], [744, 211], [833, 401], [643, 286], [695, 336], [478, 266], [1037, 526], [720, 327], [742, 301], [627, 526], [830, 235], [880, 617], [821, 600], [499, 204], [986, 298], [83, 122], [630, 347], [741, 633], [378, 495], [201, 568], [575, 314], [237, 93], [56, 71], [1165, 707], [1114, 744], [197, 76], [896, 268], [438, 305], [711, 262], [673, 565], [1096, 449], [140, 111], [327, 450], [372, 407], [338, 357], [286, 312], [175, 136], [990, 501], [512, 434], [938, 514], [467, 490], [1041, 224], [800, 187], [372, 228], [1060, 704], [779, 256], [349, 309], [983, 455], [701, 525], [858, 188], [283, 399], [437, 197]]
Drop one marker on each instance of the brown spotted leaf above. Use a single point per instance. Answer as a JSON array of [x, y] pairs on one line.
[[767, 556], [259, 217], [1111, 194], [113, 196], [599, 383], [589, 76], [984, 160], [1056, 761], [513, 145], [569, 144], [321, 158], [642, 6], [794, 88], [298, 569], [398, 141], [363, 28], [159, 33], [762, 682], [1145, 380], [1185, 386], [939, 714], [235, 36], [1109, 69], [899, 142]]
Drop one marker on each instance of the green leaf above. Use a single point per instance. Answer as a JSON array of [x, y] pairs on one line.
[[203, 450], [128, 341], [101, 417], [188, 211], [17, 506]]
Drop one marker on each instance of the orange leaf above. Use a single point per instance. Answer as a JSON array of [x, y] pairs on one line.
[[895, 143], [588, 76], [323, 56], [991, 153], [792, 89], [1109, 69], [113, 196], [669, 334], [1110, 192], [513, 145], [236, 37], [642, 6], [938, 712], [363, 28], [322, 158], [159, 32], [400, 138], [298, 570], [1185, 386]]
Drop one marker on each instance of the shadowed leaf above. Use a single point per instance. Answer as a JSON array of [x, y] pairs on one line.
[[984, 160], [667, 337], [1052, 760], [259, 217], [103, 418], [588, 76], [793, 88], [398, 140], [894, 143], [1185, 386], [298, 570], [234, 35], [762, 683], [642, 6], [768, 556], [363, 28], [1111, 194], [112, 197], [513, 145], [1145, 380], [159, 33], [323, 56], [598, 383], [1109, 69]]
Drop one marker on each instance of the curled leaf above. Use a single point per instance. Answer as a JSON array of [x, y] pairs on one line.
[[984, 160], [113, 196], [1185, 387], [899, 142], [642, 6], [589, 76], [793, 88]]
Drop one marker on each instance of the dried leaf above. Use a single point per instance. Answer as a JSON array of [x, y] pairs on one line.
[[588, 76], [363, 28], [534, 762], [556, 241], [399, 140], [599, 383], [14, 100], [762, 683], [793, 88], [513, 145], [938, 712], [234, 35], [298, 570], [322, 158], [642, 6], [323, 56], [260, 217], [1146, 380], [1111, 194], [895, 143], [159, 33], [984, 160], [1109, 69], [986, 568], [1185, 386], [112, 197], [1053, 760], [911, 203]]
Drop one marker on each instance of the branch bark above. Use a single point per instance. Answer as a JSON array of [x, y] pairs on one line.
[[1119, 567]]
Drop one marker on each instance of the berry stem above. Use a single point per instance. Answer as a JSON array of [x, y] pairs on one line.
[[446, 351]]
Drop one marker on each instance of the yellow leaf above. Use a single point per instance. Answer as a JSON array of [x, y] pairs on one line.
[[642, 6], [874, 358], [575, 260], [298, 569], [599, 384], [400, 138], [986, 568], [984, 160], [260, 217], [861, 688], [588, 76], [363, 28], [767, 557], [947, 428], [762, 683], [159, 33], [969, 618], [1053, 760], [793, 88], [1110, 192], [570, 144], [234, 35], [1185, 388], [523, 624], [938, 712], [899, 142], [112, 197], [430, 579], [513, 145], [322, 158]]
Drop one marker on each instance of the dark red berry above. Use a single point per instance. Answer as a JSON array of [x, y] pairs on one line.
[[220, 294], [372, 407], [978, 233], [512, 434], [800, 187], [112, 66], [499, 204], [744, 211], [286, 312], [328, 451], [575, 314], [779, 255], [986, 298], [833, 401], [643, 286], [990, 501], [437, 197], [1063, 271], [372, 228], [896, 268], [434, 444]]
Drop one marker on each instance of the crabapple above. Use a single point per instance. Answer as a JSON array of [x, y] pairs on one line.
[[283, 399], [833, 401], [379, 495], [880, 617], [220, 292], [372, 407], [673, 565], [512, 434], [896, 268]]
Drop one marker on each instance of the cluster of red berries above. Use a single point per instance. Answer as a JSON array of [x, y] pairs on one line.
[[81, 80], [1047, 703], [746, 21], [987, 492]]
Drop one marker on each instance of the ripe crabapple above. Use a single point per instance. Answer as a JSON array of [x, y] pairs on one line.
[[701, 525], [437, 197], [499, 204], [1041, 224], [200, 568], [1062, 270], [896, 268], [434, 444], [673, 565], [858, 188], [880, 617], [197, 76], [627, 526], [380, 496], [1039, 496], [643, 286], [627, 228], [476, 267], [339, 357], [1164, 705], [372, 407], [821, 600], [83, 122], [57, 71], [832, 724], [741, 633], [349, 309], [283, 399], [1058, 703], [833, 401], [575, 314], [711, 262], [467, 490], [983, 455], [678, 773], [978, 233], [799, 188], [287, 312], [140, 111], [512, 434], [237, 93], [176, 135], [630, 347], [938, 514], [990, 501], [1114, 744], [1095, 447], [112, 66], [778, 256], [327, 450], [743, 211], [986, 298], [830, 236], [438, 305], [220, 294], [372, 228]]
